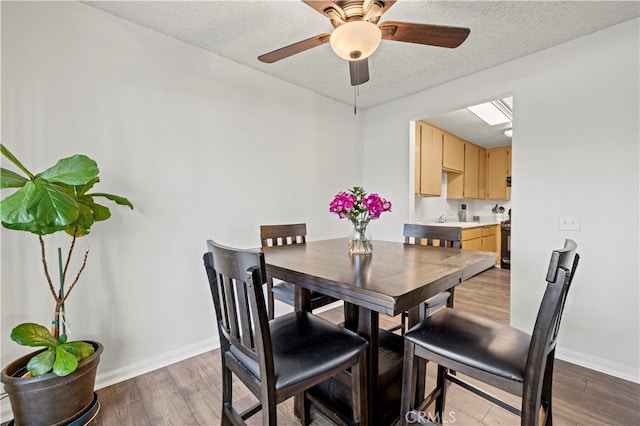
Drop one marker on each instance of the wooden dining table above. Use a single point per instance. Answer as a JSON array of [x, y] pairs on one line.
[[396, 277]]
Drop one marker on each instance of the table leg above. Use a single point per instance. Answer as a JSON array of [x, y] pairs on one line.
[[368, 325], [302, 302], [302, 299], [417, 314], [351, 316]]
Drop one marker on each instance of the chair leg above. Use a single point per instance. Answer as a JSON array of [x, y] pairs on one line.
[[270, 299], [547, 383], [227, 394], [442, 397], [224, 418], [227, 385], [305, 411], [269, 413], [450, 299], [359, 394], [409, 377]]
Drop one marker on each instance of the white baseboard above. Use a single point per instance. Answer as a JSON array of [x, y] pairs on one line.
[[162, 360], [615, 369]]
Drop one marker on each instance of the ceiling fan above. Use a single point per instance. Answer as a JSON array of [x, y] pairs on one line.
[[357, 34]]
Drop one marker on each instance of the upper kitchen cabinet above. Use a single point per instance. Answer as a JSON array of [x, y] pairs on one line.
[[471, 170], [452, 153], [428, 159], [482, 174], [498, 169]]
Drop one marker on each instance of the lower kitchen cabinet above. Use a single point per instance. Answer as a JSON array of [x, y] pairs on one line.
[[484, 238], [472, 238]]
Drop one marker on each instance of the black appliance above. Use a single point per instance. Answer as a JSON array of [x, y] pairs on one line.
[[505, 244]]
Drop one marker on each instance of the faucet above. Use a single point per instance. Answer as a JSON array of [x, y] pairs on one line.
[[443, 218]]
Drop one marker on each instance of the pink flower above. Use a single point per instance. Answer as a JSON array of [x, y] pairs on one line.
[[358, 206], [376, 205], [341, 203]]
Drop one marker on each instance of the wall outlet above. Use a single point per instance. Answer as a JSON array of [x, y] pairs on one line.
[[569, 223]]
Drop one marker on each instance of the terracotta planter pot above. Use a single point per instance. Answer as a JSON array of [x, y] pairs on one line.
[[50, 399]]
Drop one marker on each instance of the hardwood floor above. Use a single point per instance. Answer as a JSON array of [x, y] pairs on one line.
[[188, 392]]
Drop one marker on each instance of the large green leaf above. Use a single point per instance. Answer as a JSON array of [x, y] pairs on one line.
[[118, 199], [40, 207], [15, 206], [10, 179], [76, 170], [85, 220], [5, 151], [53, 204], [42, 363], [65, 363], [80, 350], [33, 228], [30, 334], [100, 212]]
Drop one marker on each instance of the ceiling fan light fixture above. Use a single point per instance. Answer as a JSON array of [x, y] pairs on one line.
[[356, 40]]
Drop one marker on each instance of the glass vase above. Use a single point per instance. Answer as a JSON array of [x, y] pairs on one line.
[[360, 239]]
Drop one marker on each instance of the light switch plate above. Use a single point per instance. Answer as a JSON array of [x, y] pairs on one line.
[[569, 223]]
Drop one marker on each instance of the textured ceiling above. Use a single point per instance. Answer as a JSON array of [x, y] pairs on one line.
[[500, 31]]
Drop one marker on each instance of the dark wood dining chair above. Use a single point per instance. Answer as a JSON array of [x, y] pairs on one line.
[[435, 236], [279, 235], [280, 358], [491, 352]]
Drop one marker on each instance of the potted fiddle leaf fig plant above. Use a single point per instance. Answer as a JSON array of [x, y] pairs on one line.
[[57, 200]]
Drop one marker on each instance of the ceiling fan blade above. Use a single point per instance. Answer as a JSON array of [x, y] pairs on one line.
[[431, 35], [322, 5], [292, 49], [359, 71]]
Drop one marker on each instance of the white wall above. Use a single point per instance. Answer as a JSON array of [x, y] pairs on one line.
[[203, 147], [575, 152]]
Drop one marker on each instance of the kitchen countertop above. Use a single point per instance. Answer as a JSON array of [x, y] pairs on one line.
[[464, 224]]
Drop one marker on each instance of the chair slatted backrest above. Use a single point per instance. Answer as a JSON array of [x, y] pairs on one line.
[[235, 279], [560, 274], [281, 235], [426, 235]]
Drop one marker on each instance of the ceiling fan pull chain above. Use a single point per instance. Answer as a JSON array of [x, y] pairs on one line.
[[356, 89], [355, 99]]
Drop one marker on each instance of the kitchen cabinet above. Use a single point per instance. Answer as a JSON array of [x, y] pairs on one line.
[[490, 240], [484, 238], [428, 161], [482, 174], [498, 169], [455, 185], [472, 238], [471, 170], [452, 153]]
